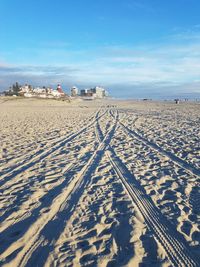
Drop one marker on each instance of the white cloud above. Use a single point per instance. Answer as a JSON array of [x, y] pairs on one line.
[[175, 64]]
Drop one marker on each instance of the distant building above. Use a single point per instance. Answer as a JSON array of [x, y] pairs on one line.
[[74, 91], [96, 92], [85, 92], [41, 92], [25, 89], [99, 92]]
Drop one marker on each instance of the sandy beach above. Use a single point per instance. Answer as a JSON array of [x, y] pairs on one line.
[[99, 183]]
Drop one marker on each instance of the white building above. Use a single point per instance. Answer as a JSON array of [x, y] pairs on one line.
[[39, 90], [44, 92], [25, 89], [99, 92], [96, 92], [74, 91]]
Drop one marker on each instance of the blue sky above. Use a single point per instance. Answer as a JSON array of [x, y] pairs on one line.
[[135, 48]]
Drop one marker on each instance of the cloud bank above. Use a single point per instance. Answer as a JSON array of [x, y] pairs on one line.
[[171, 68]]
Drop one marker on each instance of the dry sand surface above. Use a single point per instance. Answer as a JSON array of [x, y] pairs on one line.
[[99, 183]]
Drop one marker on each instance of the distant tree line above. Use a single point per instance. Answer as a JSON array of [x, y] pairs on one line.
[[13, 90]]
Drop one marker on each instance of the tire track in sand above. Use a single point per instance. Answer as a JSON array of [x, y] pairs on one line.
[[165, 233], [23, 184], [43, 154], [45, 143], [22, 218], [178, 161], [38, 240]]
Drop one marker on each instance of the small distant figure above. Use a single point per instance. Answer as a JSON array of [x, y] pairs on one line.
[[177, 101]]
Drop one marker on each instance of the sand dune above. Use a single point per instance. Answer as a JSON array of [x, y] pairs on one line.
[[99, 183]]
